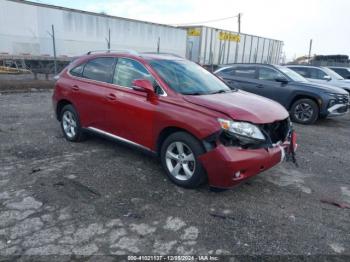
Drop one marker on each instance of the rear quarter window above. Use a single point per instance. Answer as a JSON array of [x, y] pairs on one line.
[[227, 71], [100, 69], [77, 71], [301, 71], [247, 72]]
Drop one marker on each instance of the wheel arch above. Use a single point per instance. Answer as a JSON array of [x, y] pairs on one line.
[[167, 131], [62, 103], [303, 96]]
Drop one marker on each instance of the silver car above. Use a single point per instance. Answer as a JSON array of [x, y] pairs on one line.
[[322, 75]]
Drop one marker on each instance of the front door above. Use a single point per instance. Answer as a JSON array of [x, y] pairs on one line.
[[270, 88], [132, 115]]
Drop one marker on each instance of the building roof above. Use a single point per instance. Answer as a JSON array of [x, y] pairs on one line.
[[88, 12]]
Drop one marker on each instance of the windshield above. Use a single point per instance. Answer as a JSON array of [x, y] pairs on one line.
[[292, 74], [332, 74], [188, 78]]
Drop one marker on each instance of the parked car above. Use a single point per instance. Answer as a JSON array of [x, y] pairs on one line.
[[321, 75], [199, 127], [305, 101], [342, 71]]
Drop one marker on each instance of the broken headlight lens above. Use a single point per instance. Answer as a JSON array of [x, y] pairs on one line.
[[242, 130]]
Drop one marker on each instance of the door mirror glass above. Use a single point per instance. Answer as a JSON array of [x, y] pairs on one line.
[[281, 80], [327, 77]]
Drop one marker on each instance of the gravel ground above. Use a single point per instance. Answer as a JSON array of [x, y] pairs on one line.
[[100, 197]]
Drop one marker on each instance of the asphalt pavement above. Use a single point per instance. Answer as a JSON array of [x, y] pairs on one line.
[[100, 197]]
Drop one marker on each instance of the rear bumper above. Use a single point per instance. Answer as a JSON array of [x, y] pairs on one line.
[[228, 166]]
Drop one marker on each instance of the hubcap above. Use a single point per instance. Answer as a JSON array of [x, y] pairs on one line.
[[180, 161], [303, 112], [69, 124]]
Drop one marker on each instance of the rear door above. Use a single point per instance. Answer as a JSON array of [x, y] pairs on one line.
[[240, 76], [89, 85]]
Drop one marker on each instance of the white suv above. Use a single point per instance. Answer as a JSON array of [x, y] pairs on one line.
[[322, 75]]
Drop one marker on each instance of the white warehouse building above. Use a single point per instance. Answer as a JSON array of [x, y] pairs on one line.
[[26, 29]]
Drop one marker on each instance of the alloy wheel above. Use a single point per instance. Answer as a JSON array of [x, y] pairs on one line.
[[69, 124], [180, 161], [303, 112]]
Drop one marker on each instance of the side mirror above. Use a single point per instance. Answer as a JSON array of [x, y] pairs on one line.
[[282, 80], [327, 77], [143, 85]]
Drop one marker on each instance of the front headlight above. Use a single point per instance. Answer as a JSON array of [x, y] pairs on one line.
[[242, 129]]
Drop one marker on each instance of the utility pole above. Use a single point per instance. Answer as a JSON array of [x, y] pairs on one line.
[[310, 48], [239, 33], [158, 45], [52, 34], [239, 23], [109, 40]]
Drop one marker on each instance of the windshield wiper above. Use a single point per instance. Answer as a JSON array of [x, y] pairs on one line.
[[193, 94], [220, 91]]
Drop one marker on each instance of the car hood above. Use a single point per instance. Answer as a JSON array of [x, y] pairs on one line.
[[242, 106], [323, 87], [344, 84]]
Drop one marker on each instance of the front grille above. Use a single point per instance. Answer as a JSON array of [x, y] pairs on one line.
[[276, 131], [342, 99]]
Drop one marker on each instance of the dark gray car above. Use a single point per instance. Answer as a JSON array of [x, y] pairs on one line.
[[343, 71], [305, 101]]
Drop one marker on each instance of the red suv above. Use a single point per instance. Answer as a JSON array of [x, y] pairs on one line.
[[201, 129]]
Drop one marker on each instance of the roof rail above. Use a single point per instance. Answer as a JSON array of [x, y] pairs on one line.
[[156, 53], [129, 51]]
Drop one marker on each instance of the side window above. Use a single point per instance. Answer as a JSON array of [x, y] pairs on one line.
[[228, 71], [302, 71], [317, 73], [77, 71], [128, 70], [269, 74], [100, 69], [244, 71]]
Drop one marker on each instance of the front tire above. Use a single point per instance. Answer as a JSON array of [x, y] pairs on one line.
[[70, 124], [304, 111], [179, 157]]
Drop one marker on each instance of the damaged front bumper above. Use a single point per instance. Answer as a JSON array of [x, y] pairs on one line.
[[227, 166]]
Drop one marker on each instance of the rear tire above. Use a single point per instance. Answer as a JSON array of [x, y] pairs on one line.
[[179, 157], [304, 111], [70, 124]]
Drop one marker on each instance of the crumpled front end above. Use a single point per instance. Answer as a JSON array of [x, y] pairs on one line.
[[228, 163]]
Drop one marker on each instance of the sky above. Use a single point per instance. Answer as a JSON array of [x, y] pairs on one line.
[[294, 22]]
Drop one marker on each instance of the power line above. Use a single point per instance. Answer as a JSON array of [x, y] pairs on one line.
[[207, 21]]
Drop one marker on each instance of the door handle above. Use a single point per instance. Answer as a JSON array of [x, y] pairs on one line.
[[111, 97], [75, 88], [260, 86]]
